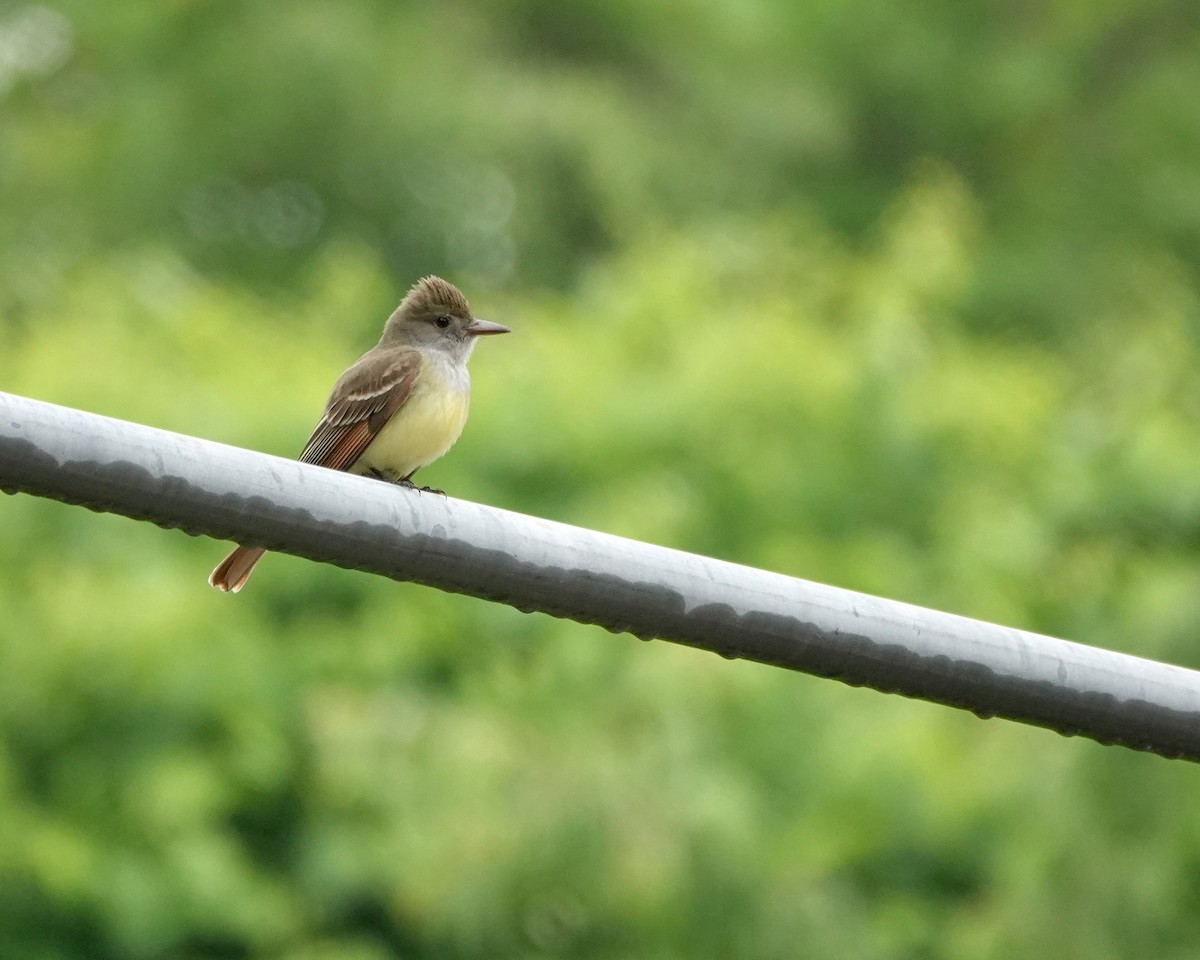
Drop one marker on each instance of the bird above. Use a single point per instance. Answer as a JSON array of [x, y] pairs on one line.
[[399, 406]]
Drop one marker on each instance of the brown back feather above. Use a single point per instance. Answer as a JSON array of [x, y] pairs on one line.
[[364, 399]]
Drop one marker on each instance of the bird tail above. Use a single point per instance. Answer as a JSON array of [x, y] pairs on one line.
[[232, 573]]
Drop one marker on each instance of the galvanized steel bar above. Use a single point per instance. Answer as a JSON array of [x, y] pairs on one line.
[[208, 488]]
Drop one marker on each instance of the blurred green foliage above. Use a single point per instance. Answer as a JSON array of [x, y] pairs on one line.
[[902, 299]]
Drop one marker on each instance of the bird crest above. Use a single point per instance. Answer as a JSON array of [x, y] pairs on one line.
[[433, 294]]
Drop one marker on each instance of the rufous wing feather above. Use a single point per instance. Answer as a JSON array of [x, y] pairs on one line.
[[362, 401]]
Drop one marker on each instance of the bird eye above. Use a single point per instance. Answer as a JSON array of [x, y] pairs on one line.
[[442, 322]]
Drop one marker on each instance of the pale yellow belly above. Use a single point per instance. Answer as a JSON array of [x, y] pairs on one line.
[[424, 428]]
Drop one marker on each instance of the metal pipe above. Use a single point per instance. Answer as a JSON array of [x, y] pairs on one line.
[[532, 564]]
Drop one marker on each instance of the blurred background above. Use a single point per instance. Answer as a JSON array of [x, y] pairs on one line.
[[899, 298]]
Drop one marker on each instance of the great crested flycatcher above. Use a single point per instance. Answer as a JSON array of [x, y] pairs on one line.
[[400, 406]]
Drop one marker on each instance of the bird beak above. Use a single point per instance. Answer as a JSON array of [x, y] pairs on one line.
[[481, 328]]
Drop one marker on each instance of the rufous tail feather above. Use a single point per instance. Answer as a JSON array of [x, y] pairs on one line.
[[232, 573]]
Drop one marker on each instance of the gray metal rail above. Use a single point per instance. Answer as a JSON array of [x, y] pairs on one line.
[[625, 586]]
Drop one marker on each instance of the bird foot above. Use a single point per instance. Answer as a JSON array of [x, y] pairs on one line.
[[377, 474]]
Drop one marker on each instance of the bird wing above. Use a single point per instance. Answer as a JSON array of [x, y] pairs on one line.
[[362, 401]]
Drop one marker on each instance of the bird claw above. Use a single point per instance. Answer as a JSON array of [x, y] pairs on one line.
[[412, 486], [405, 482]]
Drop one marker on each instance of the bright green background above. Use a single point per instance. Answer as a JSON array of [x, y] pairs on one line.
[[902, 298]]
